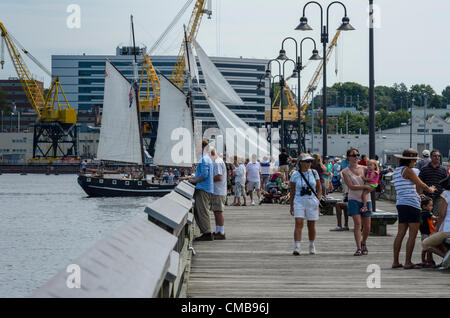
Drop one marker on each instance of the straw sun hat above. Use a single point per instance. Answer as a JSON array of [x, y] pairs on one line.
[[408, 154]]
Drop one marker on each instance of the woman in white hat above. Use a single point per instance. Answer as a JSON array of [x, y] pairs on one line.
[[406, 182], [303, 202]]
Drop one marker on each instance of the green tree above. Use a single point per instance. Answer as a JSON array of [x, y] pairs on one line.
[[419, 91], [400, 96], [446, 96], [4, 104], [436, 101]]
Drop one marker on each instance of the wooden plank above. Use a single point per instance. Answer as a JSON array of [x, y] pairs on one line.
[[256, 261]]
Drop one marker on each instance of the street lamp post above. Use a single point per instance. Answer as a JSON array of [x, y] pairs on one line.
[[425, 122], [297, 73], [312, 89], [371, 84], [268, 76], [282, 82], [411, 122], [345, 26]]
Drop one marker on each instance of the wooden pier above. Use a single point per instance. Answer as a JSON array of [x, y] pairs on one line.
[[256, 261]]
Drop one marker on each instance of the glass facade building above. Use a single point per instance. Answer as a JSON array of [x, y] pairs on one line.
[[82, 78]]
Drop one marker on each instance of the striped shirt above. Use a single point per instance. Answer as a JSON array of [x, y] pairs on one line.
[[405, 189], [432, 176]]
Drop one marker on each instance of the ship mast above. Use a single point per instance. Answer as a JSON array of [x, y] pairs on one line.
[[135, 88]]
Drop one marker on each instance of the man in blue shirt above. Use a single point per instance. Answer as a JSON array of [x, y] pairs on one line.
[[204, 188]]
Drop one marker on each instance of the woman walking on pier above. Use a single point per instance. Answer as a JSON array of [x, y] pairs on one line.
[[353, 177], [304, 203], [406, 182]]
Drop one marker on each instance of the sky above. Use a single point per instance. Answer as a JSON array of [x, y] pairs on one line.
[[411, 44]]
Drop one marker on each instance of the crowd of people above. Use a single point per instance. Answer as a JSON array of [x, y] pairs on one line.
[[423, 195]]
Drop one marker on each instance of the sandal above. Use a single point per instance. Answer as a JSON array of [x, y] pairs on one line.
[[397, 266], [364, 249], [358, 252]]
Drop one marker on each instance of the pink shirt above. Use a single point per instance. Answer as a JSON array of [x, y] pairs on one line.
[[374, 175]]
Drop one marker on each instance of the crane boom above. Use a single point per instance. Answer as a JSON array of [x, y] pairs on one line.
[[48, 108], [178, 73], [318, 74], [32, 90]]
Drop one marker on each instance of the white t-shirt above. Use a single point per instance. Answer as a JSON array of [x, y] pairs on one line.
[[240, 174], [253, 170], [220, 187]]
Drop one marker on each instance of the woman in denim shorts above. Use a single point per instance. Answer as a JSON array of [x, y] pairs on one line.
[[353, 179]]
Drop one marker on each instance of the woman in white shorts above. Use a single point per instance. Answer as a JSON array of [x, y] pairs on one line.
[[304, 203]]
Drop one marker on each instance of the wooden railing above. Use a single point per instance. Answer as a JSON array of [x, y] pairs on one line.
[[148, 257]]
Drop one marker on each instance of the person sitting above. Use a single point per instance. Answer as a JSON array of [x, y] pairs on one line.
[[435, 243]]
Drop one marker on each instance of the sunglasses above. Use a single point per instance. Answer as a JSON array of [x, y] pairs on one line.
[[354, 155], [307, 161]]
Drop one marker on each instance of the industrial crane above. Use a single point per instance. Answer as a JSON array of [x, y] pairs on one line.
[[151, 103], [201, 7], [318, 74], [56, 121]]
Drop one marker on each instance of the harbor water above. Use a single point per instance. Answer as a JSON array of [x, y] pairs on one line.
[[47, 221]]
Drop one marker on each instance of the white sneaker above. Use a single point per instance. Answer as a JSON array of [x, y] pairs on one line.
[[312, 249], [296, 252], [252, 203]]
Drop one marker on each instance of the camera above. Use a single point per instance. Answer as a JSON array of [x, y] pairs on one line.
[[305, 191]]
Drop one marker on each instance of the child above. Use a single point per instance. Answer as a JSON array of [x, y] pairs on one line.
[[371, 179], [426, 229]]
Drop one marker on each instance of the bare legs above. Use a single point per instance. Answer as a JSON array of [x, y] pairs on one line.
[[364, 199], [299, 227], [359, 221], [402, 229], [341, 207]]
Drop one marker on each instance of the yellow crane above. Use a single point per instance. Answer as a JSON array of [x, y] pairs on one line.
[[149, 102], [56, 120], [317, 74], [178, 74]]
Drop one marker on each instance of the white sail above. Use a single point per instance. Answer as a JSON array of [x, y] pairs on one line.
[[120, 138], [240, 139], [175, 141], [216, 85]]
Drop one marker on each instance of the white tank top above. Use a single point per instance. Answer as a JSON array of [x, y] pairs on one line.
[[405, 189]]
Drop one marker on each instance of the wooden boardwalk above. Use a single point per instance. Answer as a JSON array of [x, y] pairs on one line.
[[256, 261]]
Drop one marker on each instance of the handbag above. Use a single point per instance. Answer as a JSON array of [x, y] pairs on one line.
[[322, 200]]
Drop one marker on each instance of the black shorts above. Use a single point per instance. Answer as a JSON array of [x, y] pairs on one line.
[[408, 214]]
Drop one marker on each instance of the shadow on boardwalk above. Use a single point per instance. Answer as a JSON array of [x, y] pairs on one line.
[[256, 261]]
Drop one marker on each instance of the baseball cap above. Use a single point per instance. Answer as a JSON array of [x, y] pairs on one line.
[[426, 153]]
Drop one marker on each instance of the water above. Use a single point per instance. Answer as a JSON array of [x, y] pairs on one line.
[[47, 222]]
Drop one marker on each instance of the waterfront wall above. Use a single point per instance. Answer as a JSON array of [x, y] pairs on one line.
[[147, 258]]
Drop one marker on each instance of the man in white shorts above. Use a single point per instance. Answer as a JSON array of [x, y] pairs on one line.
[[220, 194], [254, 179]]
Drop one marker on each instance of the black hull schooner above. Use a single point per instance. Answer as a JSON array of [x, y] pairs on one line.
[[106, 187]]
